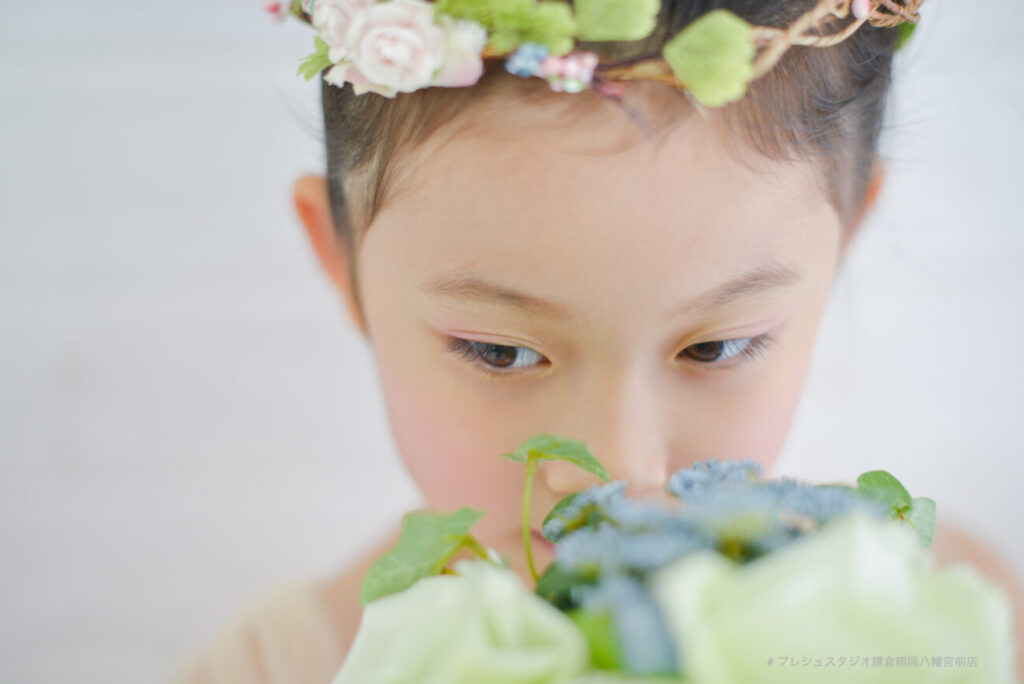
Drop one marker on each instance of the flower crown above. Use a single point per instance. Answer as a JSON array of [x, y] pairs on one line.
[[392, 46]]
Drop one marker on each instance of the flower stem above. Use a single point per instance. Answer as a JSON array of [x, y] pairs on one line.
[[476, 547], [531, 470]]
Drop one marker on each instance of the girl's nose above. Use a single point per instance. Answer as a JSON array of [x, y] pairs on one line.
[[624, 430]]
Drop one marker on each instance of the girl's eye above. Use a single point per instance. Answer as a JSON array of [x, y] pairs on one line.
[[718, 353], [497, 359]]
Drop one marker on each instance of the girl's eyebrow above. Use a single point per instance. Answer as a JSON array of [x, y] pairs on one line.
[[769, 275]]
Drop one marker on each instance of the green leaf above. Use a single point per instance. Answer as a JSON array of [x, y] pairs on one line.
[[316, 62], [511, 22], [556, 511], [903, 31], [555, 587], [615, 19], [480, 11], [713, 57], [884, 488], [546, 447], [427, 543], [922, 519], [598, 629]]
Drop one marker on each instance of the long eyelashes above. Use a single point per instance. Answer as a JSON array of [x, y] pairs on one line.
[[507, 360], [478, 352], [749, 348]]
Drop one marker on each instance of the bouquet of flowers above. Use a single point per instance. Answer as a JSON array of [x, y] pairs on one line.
[[747, 580]]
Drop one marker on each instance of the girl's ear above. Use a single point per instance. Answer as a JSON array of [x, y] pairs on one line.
[[314, 209], [875, 183]]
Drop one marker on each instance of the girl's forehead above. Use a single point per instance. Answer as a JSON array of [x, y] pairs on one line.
[[598, 212], [563, 216], [542, 159]]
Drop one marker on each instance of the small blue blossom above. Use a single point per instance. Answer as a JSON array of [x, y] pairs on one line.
[[707, 475], [823, 503], [743, 520], [587, 507], [525, 61], [605, 549], [644, 639]]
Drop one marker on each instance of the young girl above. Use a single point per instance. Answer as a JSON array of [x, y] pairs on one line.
[[638, 272]]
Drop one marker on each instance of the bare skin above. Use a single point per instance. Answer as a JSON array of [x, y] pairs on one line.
[[623, 238]]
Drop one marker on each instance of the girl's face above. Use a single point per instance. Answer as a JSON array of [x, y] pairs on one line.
[[652, 297]]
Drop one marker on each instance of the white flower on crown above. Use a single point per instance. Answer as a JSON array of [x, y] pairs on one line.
[[387, 47], [332, 19]]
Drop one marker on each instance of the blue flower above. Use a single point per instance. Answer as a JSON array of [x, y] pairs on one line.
[[525, 61], [643, 636], [707, 475], [586, 508], [823, 503], [606, 549]]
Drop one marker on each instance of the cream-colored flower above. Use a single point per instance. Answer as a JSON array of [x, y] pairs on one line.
[[480, 625], [859, 588], [332, 20], [395, 46]]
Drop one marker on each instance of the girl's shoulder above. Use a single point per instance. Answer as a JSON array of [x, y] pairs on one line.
[[287, 634], [298, 632], [953, 543]]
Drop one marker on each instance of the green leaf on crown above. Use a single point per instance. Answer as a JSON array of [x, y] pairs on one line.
[[428, 542], [713, 57], [903, 32], [616, 19], [546, 447], [511, 22], [316, 62]]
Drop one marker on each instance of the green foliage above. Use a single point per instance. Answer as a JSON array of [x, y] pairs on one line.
[[598, 629], [903, 32], [922, 519], [511, 22], [555, 586], [713, 57], [428, 542], [615, 19], [884, 488], [316, 62], [546, 447], [918, 512], [556, 511]]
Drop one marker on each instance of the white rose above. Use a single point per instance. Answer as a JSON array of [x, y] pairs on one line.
[[860, 587], [332, 20], [480, 625], [395, 46]]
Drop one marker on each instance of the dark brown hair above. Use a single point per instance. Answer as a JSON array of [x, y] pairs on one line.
[[819, 104]]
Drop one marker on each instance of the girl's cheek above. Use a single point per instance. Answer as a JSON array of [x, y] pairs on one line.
[[763, 423], [450, 443]]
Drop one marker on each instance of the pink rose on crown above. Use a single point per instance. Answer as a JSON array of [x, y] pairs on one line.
[[463, 65], [332, 19], [392, 46]]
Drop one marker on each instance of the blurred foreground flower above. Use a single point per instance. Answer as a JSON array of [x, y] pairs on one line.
[[479, 625], [858, 588]]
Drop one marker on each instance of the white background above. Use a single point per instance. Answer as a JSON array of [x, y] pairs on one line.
[[187, 420]]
